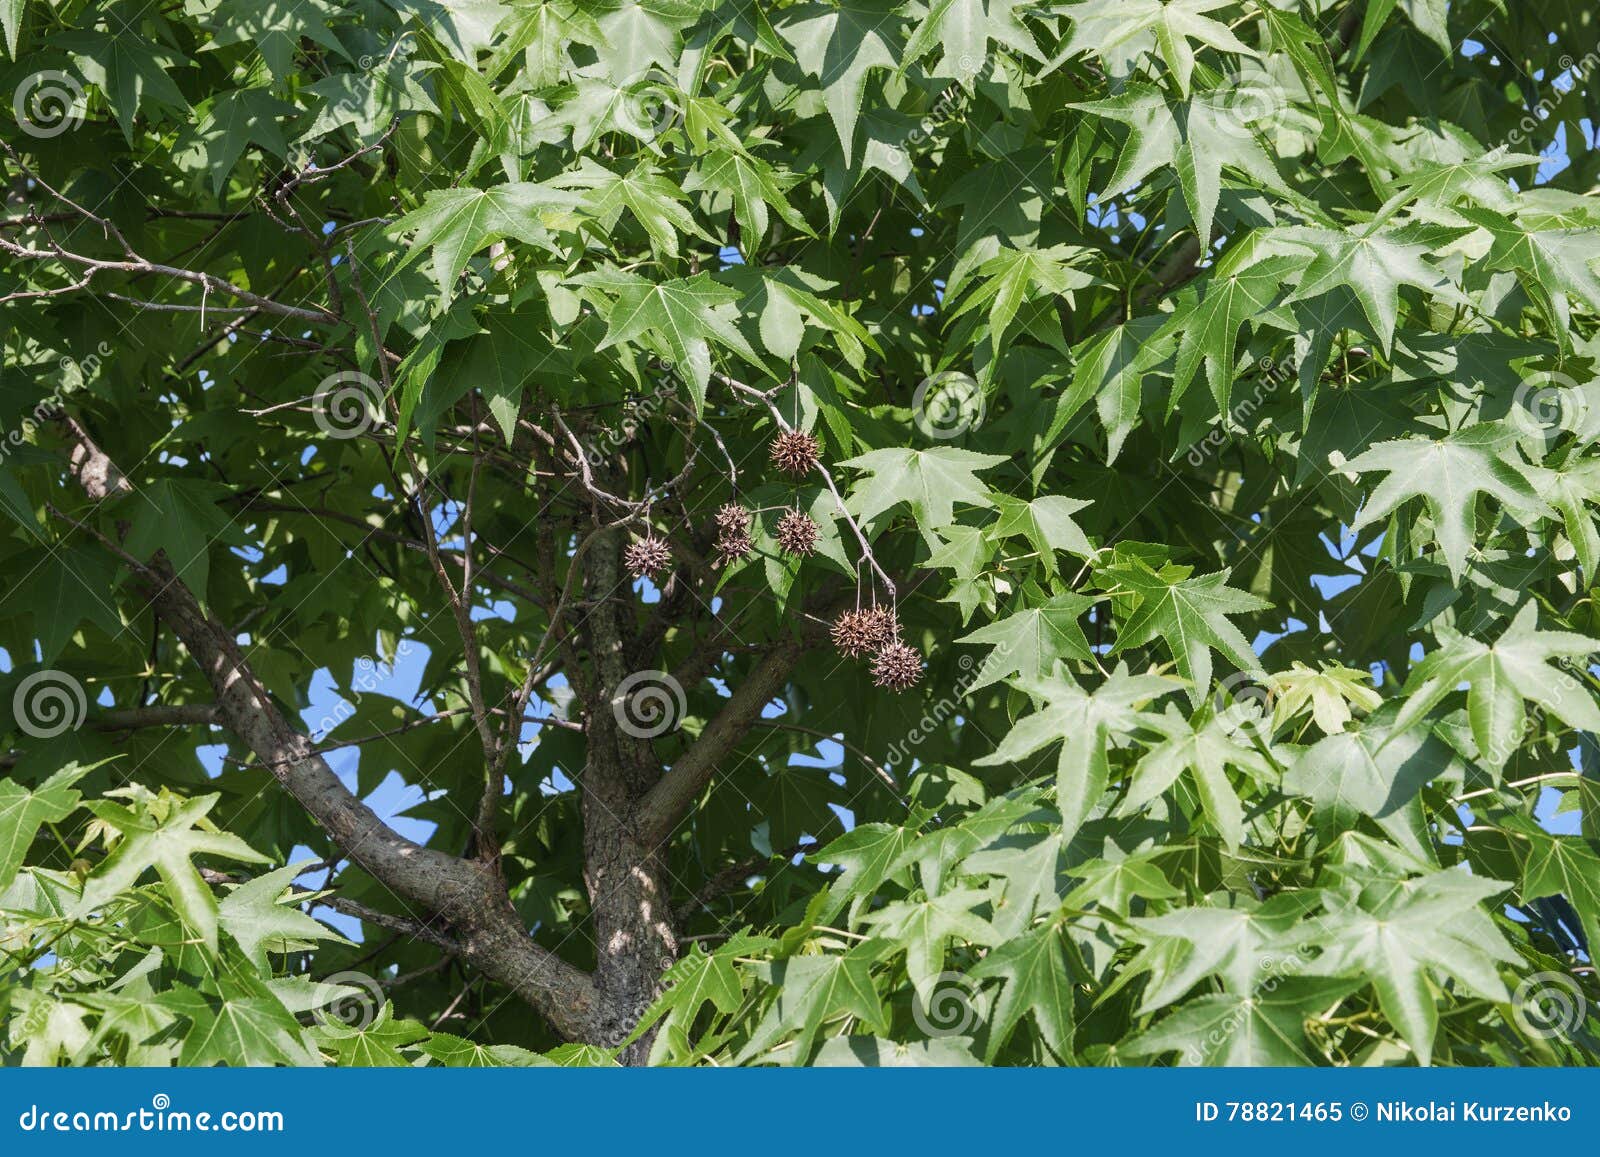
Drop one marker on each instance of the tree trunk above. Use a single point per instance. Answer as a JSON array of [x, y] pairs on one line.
[[630, 893]]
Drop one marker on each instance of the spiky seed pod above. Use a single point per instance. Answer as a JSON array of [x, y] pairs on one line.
[[731, 518], [795, 452], [732, 545], [897, 667], [797, 533], [881, 627], [854, 635], [648, 556]]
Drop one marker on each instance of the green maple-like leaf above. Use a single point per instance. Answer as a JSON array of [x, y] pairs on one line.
[[753, 186], [1085, 723], [169, 847], [1553, 865], [1205, 751], [371, 1044], [1046, 523], [274, 30], [1208, 329], [925, 927], [812, 990], [1499, 676], [963, 30], [180, 516], [1121, 31], [656, 202], [24, 812], [1236, 941], [684, 316], [235, 121], [1198, 137], [839, 47], [1031, 641], [1013, 277], [1191, 616], [1447, 474], [244, 1028], [454, 224], [71, 586], [1038, 981], [930, 482], [1396, 934], [256, 915], [1372, 263], [1111, 370], [1265, 1028], [132, 72], [1376, 771]]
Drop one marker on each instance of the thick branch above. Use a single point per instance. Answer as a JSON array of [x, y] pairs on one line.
[[468, 895], [665, 803]]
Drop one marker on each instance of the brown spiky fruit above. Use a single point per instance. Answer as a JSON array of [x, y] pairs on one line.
[[897, 667], [733, 533], [854, 635], [797, 533], [648, 556], [733, 545], [731, 517], [795, 452], [881, 626]]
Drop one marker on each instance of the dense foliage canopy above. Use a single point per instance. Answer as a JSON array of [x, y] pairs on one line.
[[897, 531]]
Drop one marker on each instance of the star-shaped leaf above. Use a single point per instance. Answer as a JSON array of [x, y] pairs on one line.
[[1205, 751], [262, 917], [684, 316], [1029, 642], [1447, 474], [168, 846], [1246, 1030], [1085, 723], [1198, 137], [839, 46], [930, 482], [1121, 31], [1399, 934], [1373, 262], [24, 812], [454, 224], [1499, 676], [1191, 616], [1038, 981]]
